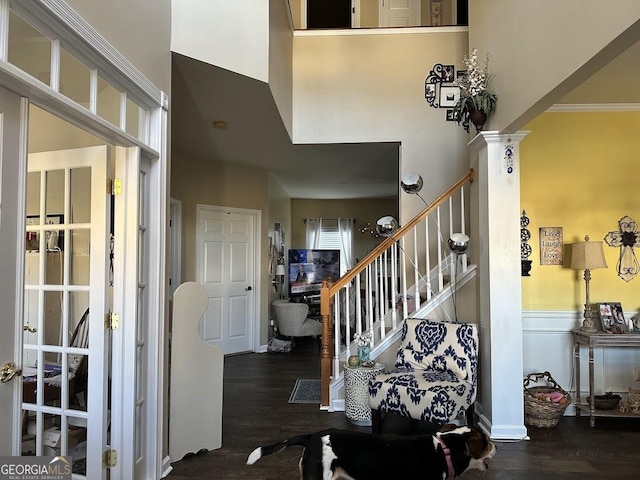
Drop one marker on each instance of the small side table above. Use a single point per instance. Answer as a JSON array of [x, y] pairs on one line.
[[356, 393], [591, 341]]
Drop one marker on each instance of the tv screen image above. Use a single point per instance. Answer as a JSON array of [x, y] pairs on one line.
[[309, 268]]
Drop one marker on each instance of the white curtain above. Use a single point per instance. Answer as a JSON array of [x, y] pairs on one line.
[[314, 226], [345, 228]]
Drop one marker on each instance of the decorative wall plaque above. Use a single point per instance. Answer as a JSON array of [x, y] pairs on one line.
[[441, 89], [525, 248], [550, 245], [626, 238]]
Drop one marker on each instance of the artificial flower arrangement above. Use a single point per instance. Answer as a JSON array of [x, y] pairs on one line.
[[363, 339], [476, 101]]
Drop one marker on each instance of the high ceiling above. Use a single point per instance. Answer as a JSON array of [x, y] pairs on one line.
[[255, 134]]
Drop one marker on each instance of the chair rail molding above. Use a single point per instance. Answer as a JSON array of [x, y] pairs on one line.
[[548, 346]]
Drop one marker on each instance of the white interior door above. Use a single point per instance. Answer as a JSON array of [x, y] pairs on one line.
[[65, 379], [227, 266], [399, 13], [12, 166]]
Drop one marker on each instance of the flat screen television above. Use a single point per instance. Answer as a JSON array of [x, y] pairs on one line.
[[308, 268]]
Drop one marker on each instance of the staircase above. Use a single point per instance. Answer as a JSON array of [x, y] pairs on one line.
[[409, 274]]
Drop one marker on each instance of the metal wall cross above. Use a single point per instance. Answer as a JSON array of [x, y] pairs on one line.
[[626, 238]]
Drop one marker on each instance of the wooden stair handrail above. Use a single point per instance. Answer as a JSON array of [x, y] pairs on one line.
[[328, 291], [387, 242]]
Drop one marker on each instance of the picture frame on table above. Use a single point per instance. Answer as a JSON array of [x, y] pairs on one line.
[[612, 317]]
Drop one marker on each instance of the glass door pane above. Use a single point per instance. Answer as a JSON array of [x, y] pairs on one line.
[[65, 345]]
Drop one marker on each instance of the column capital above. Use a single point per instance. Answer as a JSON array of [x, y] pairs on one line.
[[483, 139]]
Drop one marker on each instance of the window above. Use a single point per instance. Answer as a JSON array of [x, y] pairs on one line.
[[332, 234]]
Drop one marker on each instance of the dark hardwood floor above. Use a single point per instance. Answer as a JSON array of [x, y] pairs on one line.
[[256, 412]]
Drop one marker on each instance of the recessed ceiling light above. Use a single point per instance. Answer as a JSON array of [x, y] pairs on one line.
[[220, 124]]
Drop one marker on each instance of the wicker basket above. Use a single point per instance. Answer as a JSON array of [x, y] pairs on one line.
[[539, 412], [608, 401]]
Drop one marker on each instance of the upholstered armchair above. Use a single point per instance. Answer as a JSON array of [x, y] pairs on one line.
[[291, 319], [435, 377]]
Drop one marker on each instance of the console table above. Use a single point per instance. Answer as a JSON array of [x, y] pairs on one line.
[[592, 340]]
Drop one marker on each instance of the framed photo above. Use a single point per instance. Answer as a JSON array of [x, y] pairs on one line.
[[612, 317], [448, 73], [449, 96], [430, 90], [450, 116]]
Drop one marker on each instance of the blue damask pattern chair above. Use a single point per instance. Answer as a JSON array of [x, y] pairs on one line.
[[435, 377]]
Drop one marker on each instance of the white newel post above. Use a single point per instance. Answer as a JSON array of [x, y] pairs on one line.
[[495, 217]]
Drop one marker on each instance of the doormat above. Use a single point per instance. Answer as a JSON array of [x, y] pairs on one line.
[[305, 391]]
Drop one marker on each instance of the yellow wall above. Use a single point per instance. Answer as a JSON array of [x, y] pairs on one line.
[[579, 171]]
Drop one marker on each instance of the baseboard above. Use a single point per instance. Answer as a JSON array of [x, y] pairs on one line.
[[500, 433], [166, 466], [337, 405]]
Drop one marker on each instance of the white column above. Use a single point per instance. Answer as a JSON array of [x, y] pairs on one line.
[[495, 218]]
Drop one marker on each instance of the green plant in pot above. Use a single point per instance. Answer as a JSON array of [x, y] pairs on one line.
[[476, 100]]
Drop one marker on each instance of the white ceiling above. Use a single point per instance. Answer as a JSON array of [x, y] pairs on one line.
[[256, 136]]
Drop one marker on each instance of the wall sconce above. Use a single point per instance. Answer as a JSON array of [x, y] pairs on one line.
[[280, 273], [367, 230]]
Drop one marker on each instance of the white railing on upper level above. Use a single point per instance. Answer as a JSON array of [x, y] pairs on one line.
[[409, 268]]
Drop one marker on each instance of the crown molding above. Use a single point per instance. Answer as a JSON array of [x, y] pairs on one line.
[[594, 107]]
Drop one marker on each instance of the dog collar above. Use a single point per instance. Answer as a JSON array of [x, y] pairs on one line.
[[447, 457]]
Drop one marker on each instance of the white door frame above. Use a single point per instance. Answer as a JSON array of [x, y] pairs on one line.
[[62, 21], [12, 169], [175, 245], [257, 286]]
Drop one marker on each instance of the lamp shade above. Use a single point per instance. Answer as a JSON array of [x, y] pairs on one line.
[[280, 270], [587, 255]]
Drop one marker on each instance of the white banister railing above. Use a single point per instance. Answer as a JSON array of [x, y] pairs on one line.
[[392, 281]]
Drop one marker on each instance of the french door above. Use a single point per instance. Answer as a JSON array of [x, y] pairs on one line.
[[66, 346], [55, 233]]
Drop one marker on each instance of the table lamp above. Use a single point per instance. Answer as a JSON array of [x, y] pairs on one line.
[[587, 256]]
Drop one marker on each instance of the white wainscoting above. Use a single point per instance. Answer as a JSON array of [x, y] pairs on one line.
[[548, 346]]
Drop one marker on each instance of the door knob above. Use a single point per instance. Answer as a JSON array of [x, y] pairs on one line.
[[9, 370], [248, 289]]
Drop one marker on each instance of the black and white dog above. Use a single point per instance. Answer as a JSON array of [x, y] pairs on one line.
[[337, 454]]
